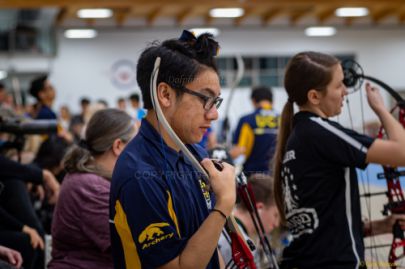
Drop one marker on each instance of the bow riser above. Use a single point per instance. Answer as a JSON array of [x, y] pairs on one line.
[[396, 200]]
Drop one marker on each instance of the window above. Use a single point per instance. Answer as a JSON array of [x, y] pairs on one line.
[[259, 70], [28, 31]]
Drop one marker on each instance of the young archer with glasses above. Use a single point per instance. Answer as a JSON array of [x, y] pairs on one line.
[[208, 101], [161, 212]]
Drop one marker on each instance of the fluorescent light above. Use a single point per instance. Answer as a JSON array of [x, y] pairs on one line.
[[94, 13], [351, 12], [3, 74], [198, 31], [227, 12], [80, 33], [320, 31]]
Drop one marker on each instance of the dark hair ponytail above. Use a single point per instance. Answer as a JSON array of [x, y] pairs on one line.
[[305, 71], [282, 137]]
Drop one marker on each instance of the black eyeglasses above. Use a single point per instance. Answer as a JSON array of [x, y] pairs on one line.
[[208, 101]]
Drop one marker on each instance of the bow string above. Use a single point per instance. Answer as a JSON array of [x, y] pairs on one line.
[[354, 77]]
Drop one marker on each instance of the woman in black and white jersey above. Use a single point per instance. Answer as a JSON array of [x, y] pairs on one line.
[[316, 187]]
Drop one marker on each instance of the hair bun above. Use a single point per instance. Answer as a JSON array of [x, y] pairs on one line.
[[175, 45], [205, 46]]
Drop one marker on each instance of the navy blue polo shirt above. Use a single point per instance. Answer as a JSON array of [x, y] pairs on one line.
[[157, 202], [257, 133]]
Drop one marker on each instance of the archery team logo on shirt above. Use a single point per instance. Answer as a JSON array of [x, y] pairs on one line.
[[153, 234], [266, 118], [266, 122], [299, 220], [206, 194]]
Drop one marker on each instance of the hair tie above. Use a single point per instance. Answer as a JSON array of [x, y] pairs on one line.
[[187, 36], [290, 100], [83, 144], [206, 42]]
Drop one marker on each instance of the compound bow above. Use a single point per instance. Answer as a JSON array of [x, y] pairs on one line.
[[354, 77]]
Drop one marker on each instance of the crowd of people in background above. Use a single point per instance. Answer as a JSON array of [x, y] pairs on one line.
[[31, 177], [101, 182], [81, 155]]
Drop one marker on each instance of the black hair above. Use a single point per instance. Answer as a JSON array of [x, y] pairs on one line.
[[51, 152], [2, 87], [181, 62], [84, 101], [37, 85], [261, 93], [134, 97]]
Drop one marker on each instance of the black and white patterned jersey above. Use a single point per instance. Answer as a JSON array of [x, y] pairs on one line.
[[321, 193]]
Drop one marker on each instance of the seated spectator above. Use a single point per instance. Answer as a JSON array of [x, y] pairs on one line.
[[10, 257], [103, 103], [7, 109], [135, 110], [77, 122], [64, 117], [121, 104], [49, 156], [20, 228], [263, 191], [80, 227]]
